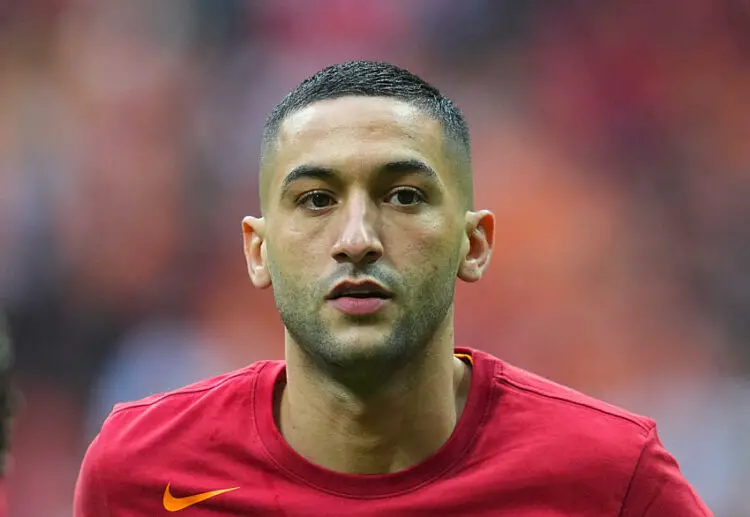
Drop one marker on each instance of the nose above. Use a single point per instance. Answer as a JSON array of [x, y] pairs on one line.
[[358, 241]]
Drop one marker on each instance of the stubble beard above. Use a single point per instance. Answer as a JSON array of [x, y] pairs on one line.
[[364, 367]]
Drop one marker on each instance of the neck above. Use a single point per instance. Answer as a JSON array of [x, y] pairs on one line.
[[392, 428]]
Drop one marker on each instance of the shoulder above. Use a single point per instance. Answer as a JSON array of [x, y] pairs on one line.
[[187, 413], [566, 445], [142, 441], [581, 452], [553, 399], [576, 435], [542, 398], [191, 392]]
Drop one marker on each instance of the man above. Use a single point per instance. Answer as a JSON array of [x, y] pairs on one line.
[[367, 221]]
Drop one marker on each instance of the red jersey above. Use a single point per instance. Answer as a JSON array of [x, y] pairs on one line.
[[523, 447]]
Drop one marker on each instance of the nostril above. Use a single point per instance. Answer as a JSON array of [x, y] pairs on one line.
[[367, 256], [371, 257]]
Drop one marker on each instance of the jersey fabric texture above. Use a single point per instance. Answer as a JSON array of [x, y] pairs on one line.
[[523, 447]]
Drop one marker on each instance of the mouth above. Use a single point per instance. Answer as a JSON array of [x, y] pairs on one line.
[[359, 298], [367, 289]]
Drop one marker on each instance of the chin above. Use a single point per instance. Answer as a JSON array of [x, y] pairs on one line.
[[362, 340]]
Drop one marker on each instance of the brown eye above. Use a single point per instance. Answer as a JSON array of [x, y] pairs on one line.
[[406, 197], [316, 201]]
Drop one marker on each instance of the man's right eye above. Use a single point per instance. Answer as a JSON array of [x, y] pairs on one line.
[[316, 201]]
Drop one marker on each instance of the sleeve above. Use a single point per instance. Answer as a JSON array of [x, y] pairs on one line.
[[658, 489], [90, 498]]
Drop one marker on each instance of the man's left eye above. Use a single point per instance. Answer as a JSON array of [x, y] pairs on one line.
[[405, 197]]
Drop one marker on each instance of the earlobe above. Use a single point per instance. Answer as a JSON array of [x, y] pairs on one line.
[[253, 238], [480, 234]]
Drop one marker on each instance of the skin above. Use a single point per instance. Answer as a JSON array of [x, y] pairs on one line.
[[363, 188]]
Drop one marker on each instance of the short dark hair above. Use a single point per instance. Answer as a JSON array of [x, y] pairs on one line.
[[377, 79]]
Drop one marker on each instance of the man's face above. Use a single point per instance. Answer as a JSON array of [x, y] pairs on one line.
[[364, 229]]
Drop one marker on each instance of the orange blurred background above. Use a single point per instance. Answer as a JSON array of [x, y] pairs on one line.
[[610, 139]]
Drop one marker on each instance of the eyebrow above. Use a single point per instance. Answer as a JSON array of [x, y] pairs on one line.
[[397, 167], [409, 166], [305, 172]]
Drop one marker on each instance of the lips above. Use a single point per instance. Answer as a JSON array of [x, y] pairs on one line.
[[367, 289], [359, 298]]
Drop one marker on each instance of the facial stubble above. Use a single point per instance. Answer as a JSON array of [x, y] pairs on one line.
[[422, 303]]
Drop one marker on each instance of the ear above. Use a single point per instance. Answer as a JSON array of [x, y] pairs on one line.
[[253, 238], [478, 241]]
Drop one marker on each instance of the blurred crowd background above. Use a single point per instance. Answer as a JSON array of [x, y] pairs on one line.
[[611, 139]]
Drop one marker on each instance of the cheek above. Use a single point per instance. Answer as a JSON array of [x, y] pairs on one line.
[[285, 266], [429, 247], [295, 244]]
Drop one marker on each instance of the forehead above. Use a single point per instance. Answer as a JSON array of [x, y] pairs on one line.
[[335, 132]]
